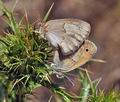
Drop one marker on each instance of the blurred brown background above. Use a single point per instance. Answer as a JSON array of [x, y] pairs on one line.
[[104, 17]]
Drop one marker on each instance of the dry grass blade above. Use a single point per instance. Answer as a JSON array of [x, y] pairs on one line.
[[47, 14]]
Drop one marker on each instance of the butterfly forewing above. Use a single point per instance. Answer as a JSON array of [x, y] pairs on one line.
[[67, 34]]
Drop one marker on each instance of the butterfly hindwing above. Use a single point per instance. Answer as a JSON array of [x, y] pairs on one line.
[[77, 59]]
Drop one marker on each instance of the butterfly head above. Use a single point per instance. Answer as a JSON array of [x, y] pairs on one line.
[[89, 49]]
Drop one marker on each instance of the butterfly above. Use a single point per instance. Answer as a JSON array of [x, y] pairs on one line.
[[83, 55], [66, 35]]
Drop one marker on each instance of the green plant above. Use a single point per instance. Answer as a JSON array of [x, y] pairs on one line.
[[23, 56]]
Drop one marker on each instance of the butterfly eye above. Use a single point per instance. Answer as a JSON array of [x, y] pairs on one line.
[[87, 50]]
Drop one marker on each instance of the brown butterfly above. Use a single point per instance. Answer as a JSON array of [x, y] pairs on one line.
[[83, 55], [66, 35]]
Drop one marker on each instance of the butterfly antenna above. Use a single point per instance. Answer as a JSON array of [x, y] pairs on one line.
[[69, 80], [98, 60], [63, 74]]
